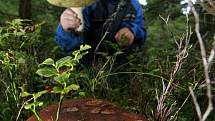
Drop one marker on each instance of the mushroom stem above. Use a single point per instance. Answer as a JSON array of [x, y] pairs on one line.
[[78, 10]]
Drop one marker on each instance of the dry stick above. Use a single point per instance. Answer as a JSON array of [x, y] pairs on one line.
[[172, 34], [206, 67], [59, 107], [211, 57], [23, 107], [199, 113]]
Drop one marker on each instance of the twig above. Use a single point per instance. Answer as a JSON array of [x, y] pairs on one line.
[[206, 64], [23, 107], [199, 113], [211, 56], [59, 107], [163, 112]]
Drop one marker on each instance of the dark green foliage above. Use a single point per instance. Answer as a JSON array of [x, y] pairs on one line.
[[18, 63]]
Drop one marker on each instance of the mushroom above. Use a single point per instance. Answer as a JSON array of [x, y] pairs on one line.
[[75, 5], [87, 110]]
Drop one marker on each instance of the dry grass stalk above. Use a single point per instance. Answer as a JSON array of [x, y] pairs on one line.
[[164, 112]]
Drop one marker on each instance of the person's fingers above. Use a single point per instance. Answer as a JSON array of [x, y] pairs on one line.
[[118, 36], [124, 34], [69, 20], [72, 19], [74, 25], [69, 11], [71, 24], [70, 15]]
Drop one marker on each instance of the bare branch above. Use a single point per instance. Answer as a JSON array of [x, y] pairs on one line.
[[199, 113], [23, 107], [163, 112], [206, 63], [211, 57]]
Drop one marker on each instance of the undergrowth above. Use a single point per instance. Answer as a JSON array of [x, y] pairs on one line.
[[133, 84]]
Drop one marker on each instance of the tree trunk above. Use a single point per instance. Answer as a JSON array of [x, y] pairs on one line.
[[25, 9]]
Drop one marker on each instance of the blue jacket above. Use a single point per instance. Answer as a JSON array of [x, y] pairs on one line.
[[68, 41]]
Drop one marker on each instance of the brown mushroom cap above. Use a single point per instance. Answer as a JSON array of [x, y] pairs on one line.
[[71, 3], [87, 110]]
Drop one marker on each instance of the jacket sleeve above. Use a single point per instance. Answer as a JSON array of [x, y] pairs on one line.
[[67, 40], [136, 25]]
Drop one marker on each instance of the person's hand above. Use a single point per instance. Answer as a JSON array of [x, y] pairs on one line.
[[124, 37], [69, 20]]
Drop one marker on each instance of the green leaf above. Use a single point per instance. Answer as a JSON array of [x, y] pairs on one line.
[[39, 94], [84, 47], [46, 72], [28, 106], [25, 94], [72, 87], [38, 104], [154, 70], [62, 78], [70, 63], [79, 56], [63, 61], [48, 61], [21, 60], [118, 53], [82, 94], [57, 89]]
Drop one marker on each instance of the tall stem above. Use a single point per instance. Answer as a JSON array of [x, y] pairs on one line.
[[37, 116], [59, 106]]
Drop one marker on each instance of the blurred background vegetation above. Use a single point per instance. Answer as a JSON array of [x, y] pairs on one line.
[[134, 86]]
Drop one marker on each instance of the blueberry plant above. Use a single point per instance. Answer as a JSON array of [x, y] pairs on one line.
[[58, 72], [18, 40]]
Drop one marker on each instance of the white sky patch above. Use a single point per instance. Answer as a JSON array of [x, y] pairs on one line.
[[143, 2], [186, 10], [186, 1]]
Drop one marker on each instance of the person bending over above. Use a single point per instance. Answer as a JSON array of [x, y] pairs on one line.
[[117, 21]]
